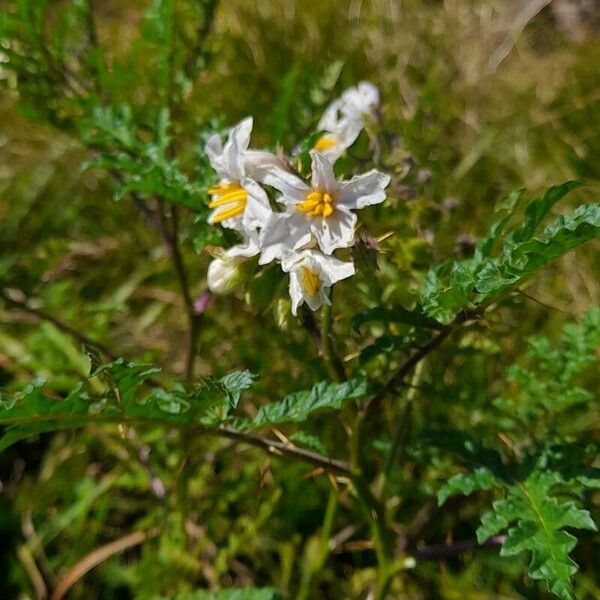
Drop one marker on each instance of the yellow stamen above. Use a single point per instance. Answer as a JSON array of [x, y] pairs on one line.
[[223, 188], [234, 211], [232, 196], [311, 282], [317, 204], [325, 142], [229, 197], [327, 210]]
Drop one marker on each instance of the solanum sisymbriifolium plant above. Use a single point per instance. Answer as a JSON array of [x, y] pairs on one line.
[[263, 370], [314, 218]]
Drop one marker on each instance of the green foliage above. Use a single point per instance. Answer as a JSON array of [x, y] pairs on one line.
[[300, 90], [540, 479], [546, 387], [534, 520], [477, 281], [233, 594], [143, 166], [540, 522], [297, 407], [396, 314], [113, 393], [52, 88], [497, 421]]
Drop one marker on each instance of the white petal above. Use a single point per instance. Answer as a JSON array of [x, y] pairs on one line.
[[214, 151], [234, 149], [258, 162], [331, 116], [296, 291], [241, 133], [291, 186], [327, 268], [299, 227], [369, 92], [258, 210], [223, 275], [333, 153], [249, 247], [299, 295], [315, 302], [349, 130], [332, 269], [278, 238], [337, 231], [291, 258], [364, 190], [360, 100], [231, 223], [323, 177]]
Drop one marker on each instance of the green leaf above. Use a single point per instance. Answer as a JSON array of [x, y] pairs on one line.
[[522, 260], [235, 383], [145, 167], [460, 285], [471, 452], [384, 345], [310, 441], [540, 520], [536, 211], [546, 382], [297, 407], [466, 483], [397, 314], [117, 392]]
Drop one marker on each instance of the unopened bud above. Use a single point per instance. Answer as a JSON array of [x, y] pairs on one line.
[[223, 275]]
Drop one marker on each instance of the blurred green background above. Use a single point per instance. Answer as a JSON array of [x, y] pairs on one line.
[[478, 98]]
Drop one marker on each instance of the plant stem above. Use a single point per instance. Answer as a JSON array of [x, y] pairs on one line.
[[397, 379], [313, 570], [374, 511], [334, 365], [402, 425], [376, 515], [441, 551], [171, 240], [65, 421]]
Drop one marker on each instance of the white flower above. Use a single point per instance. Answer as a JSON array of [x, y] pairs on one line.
[[362, 99], [249, 247], [238, 201], [311, 276], [223, 274], [344, 119], [321, 212]]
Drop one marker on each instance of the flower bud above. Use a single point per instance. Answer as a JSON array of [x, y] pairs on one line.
[[223, 275]]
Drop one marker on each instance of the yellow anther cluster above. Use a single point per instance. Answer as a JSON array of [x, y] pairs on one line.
[[325, 142], [232, 194], [317, 204], [311, 282]]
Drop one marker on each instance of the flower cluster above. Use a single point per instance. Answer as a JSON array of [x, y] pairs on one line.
[[313, 219]]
